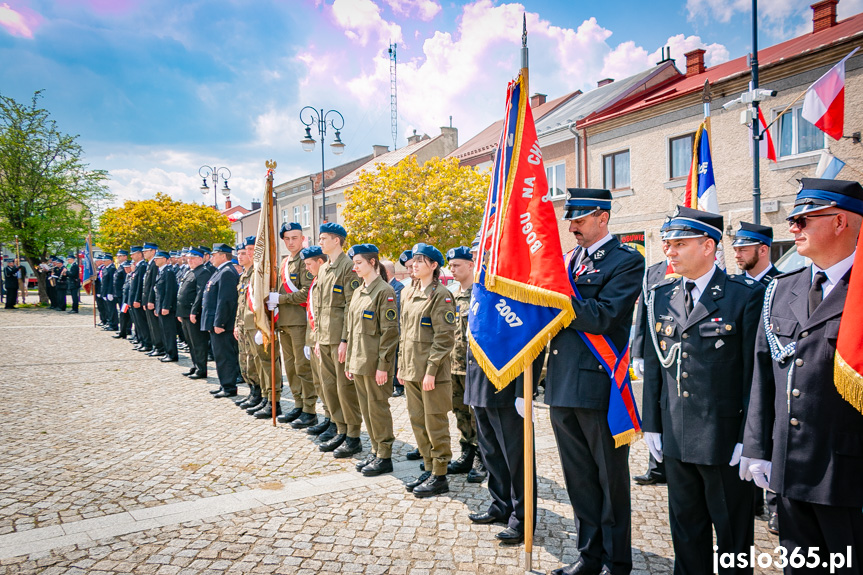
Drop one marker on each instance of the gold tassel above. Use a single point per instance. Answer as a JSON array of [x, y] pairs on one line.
[[848, 383], [627, 438]]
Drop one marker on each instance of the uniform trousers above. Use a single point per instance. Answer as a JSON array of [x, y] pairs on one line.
[[261, 357], [297, 368], [464, 418], [704, 498], [227, 363], [825, 527], [198, 341], [111, 314], [61, 298], [375, 406], [501, 447], [100, 307], [76, 296], [142, 326], [245, 355], [597, 481], [153, 323], [315, 364], [341, 392], [168, 324], [428, 413], [124, 321]]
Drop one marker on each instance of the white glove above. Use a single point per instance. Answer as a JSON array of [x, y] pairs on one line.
[[307, 351], [638, 367], [273, 301], [654, 444], [744, 469], [110, 297], [735, 457], [760, 470], [519, 407], [259, 338]]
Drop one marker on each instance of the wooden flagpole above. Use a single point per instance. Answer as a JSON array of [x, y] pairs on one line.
[[528, 382], [271, 248]]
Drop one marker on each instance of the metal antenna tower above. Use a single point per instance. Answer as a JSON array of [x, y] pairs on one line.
[[394, 116]]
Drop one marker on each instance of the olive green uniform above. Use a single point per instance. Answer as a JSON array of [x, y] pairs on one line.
[[334, 288], [291, 325], [315, 364], [427, 337], [254, 358], [463, 415], [373, 334]]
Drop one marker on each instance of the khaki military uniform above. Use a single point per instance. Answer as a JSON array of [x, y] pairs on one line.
[[315, 362], [463, 415], [254, 358], [334, 288], [373, 334], [425, 348], [291, 325]]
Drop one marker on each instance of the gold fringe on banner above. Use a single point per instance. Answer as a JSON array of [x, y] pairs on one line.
[[534, 295], [848, 383], [627, 437]]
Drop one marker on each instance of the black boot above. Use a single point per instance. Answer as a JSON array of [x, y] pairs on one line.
[[434, 485], [378, 467], [291, 415], [464, 463], [264, 403], [328, 433], [267, 411], [253, 398], [411, 485], [333, 443], [478, 473], [351, 446], [305, 420], [368, 459], [413, 455], [319, 428]]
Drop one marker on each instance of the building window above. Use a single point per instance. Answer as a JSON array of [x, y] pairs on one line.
[[797, 135], [284, 216], [304, 187], [331, 213], [680, 156], [305, 215], [615, 171], [297, 214], [556, 176]]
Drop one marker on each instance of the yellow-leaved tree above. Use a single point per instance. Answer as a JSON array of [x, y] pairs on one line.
[[394, 207], [169, 223]]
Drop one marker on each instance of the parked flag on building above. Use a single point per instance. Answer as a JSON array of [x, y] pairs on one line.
[[824, 103], [522, 295], [829, 166], [848, 362], [766, 148]]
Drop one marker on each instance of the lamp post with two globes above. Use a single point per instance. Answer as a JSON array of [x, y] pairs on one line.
[[309, 116], [221, 172]]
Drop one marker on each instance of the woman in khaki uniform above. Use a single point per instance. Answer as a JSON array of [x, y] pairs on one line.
[[427, 337], [373, 333]]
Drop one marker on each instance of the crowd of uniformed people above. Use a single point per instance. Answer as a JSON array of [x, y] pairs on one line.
[[738, 393]]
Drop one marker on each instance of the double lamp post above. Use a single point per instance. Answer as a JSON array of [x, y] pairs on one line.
[[310, 116]]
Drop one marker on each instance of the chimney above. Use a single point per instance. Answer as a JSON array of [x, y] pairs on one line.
[[823, 15], [228, 204], [256, 205], [537, 100], [604, 82], [414, 139], [695, 62], [380, 150], [450, 138]]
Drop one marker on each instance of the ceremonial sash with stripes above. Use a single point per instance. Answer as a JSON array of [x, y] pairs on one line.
[[310, 307], [290, 286], [623, 419]]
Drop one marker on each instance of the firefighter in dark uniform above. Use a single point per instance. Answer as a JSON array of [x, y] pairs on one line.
[[218, 315], [696, 393], [125, 288], [136, 291], [803, 439], [166, 305], [108, 302], [10, 281], [189, 298], [148, 301], [73, 281], [608, 275], [117, 294]]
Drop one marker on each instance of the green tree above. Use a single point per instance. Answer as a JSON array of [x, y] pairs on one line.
[[169, 223], [394, 207], [47, 193]]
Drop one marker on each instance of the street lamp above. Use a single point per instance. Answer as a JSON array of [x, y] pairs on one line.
[[224, 173], [337, 122]]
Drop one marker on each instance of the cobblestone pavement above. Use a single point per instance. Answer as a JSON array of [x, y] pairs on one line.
[[114, 463]]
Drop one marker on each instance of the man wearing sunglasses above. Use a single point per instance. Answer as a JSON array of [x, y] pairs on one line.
[[803, 440]]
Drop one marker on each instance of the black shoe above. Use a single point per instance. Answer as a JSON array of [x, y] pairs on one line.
[[156, 353], [351, 446], [319, 428], [329, 433], [240, 380], [254, 398], [464, 463], [378, 467], [144, 349], [222, 394], [73, 311], [169, 359], [190, 372], [398, 391], [773, 524], [413, 455], [649, 479], [333, 443], [267, 412], [262, 405], [510, 536], [577, 568], [477, 474], [413, 484], [363, 462], [118, 336], [305, 420], [198, 376], [434, 485], [485, 518], [215, 391], [291, 415]]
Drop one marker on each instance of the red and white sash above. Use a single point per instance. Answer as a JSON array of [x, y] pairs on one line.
[[310, 308]]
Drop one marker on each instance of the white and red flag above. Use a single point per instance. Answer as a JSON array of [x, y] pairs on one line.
[[824, 103]]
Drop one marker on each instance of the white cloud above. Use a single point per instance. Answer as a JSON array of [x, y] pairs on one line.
[[627, 58], [362, 22], [16, 23], [778, 19], [426, 10]]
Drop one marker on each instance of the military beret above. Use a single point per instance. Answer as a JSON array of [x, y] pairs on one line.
[[428, 251], [224, 248], [122, 253], [406, 257], [150, 246], [362, 249], [459, 253], [204, 250], [312, 252], [692, 223], [249, 241], [162, 254], [752, 235], [331, 228], [819, 194], [135, 249], [240, 247], [289, 227], [584, 201]]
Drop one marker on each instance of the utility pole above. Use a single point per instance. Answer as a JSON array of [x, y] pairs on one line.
[[756, 122]]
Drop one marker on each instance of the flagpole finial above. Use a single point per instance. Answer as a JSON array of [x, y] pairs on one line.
[[524, 30], [271, 164]]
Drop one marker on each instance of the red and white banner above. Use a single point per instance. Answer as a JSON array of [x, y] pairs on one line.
[[824, 104]]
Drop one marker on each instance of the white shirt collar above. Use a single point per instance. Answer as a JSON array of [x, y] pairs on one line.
[[163, 266], [834, 273], [608, 237], [700, 284], [759, 276], [224, 264]]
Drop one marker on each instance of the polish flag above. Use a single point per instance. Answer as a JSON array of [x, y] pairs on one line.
[[765, 146], [824, 104]]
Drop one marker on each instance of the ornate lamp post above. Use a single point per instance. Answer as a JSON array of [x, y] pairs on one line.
[[309, 116], [221, 172]]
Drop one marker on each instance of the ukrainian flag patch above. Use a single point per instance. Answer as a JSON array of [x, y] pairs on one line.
[[368, 314], [338, 289]]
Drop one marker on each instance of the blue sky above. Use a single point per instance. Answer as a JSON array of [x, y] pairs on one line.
[[156, 88]]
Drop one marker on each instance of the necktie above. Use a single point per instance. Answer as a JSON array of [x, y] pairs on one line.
[[687, 297], [816, 293]]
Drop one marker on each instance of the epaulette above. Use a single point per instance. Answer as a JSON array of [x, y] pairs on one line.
[[791, 273], [627, 248], [743, 280], [665, 282]]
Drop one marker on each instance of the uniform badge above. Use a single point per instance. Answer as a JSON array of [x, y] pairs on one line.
[[338, 289], [309, 275], [727, 327], [749, 281], [425, 321], [719, 343], [448, 299], [293, 277], [368, 314], [449, 317], [390, 298], [599, 254], [658, 327], [355, 284], [669, 330], [390, 314], [662, 345]]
